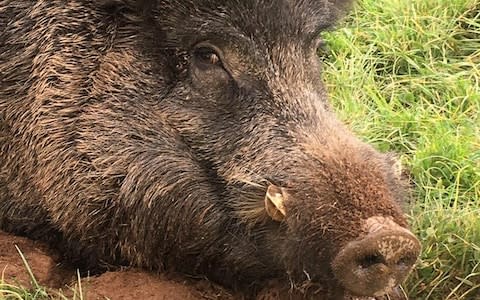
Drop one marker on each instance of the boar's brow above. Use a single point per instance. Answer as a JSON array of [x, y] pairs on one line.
[[251, 22]]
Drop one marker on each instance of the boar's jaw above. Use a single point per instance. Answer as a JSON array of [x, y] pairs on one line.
[[378, 262]]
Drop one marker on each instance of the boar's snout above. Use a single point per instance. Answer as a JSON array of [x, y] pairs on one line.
[[378, 262]]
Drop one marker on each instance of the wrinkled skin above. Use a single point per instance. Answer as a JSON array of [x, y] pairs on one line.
[[147, 134]]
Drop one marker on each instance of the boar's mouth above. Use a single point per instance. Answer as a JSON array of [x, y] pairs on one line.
[[378, 262]]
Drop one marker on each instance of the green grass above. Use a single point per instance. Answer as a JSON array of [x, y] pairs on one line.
[[14, 291], [17, 292], [405, 74]]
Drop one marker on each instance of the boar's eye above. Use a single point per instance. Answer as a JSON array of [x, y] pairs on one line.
[[207, 70], [207, 56]]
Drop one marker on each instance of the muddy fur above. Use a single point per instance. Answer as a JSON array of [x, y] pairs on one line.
[[120, 145]]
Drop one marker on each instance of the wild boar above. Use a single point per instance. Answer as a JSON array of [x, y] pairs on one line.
[[193, 136]]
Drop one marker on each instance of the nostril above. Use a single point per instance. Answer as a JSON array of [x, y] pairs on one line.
[[370, 260]]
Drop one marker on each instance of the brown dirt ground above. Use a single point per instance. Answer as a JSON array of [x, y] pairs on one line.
[[140, 285], [121, 285]]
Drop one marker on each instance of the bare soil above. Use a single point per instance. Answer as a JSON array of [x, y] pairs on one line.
[[140, 285]]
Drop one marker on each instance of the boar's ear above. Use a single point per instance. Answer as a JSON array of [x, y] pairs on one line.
[[396, 165], [341, 7], [274, 202]]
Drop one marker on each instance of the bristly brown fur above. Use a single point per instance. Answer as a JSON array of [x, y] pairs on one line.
[[121, 146]]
